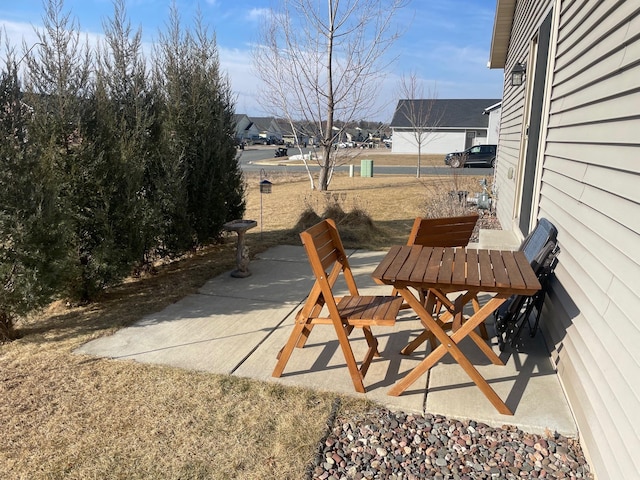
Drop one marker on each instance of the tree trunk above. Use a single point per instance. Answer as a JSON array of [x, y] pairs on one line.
[[328, 136], [6, 327], [325, 167]]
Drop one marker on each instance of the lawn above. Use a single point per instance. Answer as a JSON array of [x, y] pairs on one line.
[[71, 416]]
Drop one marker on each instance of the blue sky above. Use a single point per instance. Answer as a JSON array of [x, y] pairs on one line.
[[445, 42]]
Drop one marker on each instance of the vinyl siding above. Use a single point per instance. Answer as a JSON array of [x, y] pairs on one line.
[[527, 19], [590, 189]]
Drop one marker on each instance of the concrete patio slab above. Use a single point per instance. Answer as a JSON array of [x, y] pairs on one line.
[[527, 383], [321, 365], [200, 332], [237, 326], [273, 279]]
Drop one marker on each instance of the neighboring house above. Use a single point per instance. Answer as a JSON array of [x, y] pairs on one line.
[[267, 127], [292, 137], [245, 128], [447, 125], [255, 128], [569, 151], [493, 129]]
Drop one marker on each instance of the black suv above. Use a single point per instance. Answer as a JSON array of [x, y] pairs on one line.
[[476, 156]]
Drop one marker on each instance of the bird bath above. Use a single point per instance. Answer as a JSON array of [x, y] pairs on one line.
[[242, 253]]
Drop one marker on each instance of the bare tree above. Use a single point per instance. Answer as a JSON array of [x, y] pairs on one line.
[[417, 109], [322, 63]]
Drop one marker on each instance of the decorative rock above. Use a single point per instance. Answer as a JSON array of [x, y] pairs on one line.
[[408, 446]]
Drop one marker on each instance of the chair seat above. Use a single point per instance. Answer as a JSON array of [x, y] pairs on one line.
[[359, 311]]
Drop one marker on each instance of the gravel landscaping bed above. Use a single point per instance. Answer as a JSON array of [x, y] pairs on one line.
[[388, 445]]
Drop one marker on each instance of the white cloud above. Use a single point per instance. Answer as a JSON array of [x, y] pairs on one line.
[[17, 32], [237, 64], [256, 14], [25, 32]]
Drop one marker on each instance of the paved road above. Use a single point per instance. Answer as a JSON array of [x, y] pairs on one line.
[[252, 157]]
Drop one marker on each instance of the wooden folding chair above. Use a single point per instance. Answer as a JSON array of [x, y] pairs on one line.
[[441, 232], [328, 260]]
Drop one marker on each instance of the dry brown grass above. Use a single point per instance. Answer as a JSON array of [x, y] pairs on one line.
[[70, 416]]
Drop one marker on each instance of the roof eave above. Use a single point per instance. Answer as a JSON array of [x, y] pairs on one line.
[[502, 23]]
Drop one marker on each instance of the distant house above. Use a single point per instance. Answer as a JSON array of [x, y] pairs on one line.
[[493, 128], [568, 151], [448, 125], [358, 135], [267, 128], [290, 136], [252, 129], [245, 128]]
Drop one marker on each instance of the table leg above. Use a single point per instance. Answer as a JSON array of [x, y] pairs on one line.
[[429, 302], [434, 298], [448, 344]]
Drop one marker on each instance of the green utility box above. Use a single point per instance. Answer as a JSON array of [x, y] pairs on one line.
[[366, 168]]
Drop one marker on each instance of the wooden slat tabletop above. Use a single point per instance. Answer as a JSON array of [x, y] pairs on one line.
[[488, 270], [473, 272]]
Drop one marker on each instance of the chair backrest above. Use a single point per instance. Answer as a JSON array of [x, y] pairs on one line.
[[540, 243], [443, 232], [327, 256]]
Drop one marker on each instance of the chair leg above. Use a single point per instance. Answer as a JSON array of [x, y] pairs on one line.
[[300, 334], [371, 340], [372, 351], [307, 330], [287, 350], [356, 375]]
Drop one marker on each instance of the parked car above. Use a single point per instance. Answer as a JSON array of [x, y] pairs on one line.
[[476, 156]]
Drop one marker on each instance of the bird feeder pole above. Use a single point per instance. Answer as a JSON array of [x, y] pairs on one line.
[[265, 187]]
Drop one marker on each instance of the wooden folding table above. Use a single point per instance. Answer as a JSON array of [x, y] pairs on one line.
[[444, 270]]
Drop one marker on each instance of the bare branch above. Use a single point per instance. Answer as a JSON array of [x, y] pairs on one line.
[[322, 63], [417, 108]]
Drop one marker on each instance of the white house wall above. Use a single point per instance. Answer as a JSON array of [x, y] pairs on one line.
[[435, 143], [493, 129], [590, 189]]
